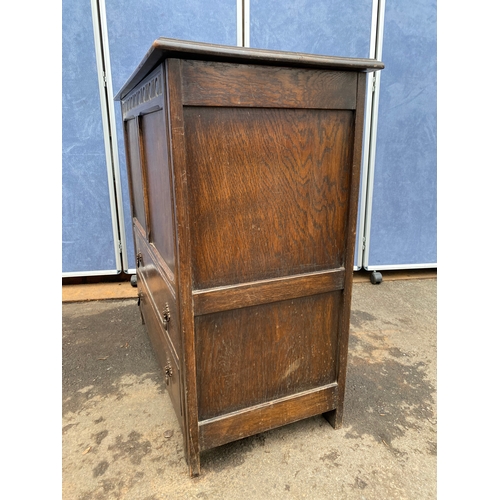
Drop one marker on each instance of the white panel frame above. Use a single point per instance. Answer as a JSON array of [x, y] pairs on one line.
[[114, 163], [108, 149], [243, 23], [370, 170], [370, 133], [395, 267]]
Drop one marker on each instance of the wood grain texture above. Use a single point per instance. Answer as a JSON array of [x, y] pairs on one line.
[[165, 48], [270, 199], [257, 354], [244, 174], [161, 348], [135, 171], [157, 172], [176, 133], [223, 84], [261, 292], [336, 417], [146, 97], [160, 289], [261, 418]]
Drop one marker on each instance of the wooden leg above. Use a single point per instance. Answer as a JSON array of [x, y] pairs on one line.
[[191, 455], [334, 417], [139, 297], [194, 465]]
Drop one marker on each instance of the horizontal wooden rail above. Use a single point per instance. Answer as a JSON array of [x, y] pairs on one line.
[[223, 84], [230, 297], [260, 418]]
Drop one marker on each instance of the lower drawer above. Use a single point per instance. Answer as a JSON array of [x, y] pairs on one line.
[[161, 346]]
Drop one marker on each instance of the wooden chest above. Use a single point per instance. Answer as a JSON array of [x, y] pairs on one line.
[[243, 171]]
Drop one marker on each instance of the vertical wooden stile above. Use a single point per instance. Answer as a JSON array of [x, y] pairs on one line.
[[184, 272]]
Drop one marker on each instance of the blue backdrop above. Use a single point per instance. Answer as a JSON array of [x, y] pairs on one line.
[[327, 27], [403, 219], [88, 243], [403, 212]]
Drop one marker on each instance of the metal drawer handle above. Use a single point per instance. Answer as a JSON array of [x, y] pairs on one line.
[[168, 371], [166, 316]]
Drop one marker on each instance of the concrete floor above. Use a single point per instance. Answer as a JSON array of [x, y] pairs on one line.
[[121, 439]]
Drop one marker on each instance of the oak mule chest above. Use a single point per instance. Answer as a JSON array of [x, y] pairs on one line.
[[243, 170]]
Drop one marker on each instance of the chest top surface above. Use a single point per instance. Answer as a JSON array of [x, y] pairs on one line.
[[164, 48]]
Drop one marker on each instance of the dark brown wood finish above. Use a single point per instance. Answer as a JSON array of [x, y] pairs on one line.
[[257, 354], [158, 181], [266, 416], [244, 173], [335, 417], [131, 130], [184, 269], [225, 298], [276, 191], [163, 348], [234, 85], [164, 48], [160, 290]]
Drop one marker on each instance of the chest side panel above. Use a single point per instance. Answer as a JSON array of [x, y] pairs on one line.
[[262, 353], [269, 157], [271, 198]]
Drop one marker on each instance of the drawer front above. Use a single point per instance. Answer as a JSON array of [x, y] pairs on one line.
[[162, 347], [161, 291]]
